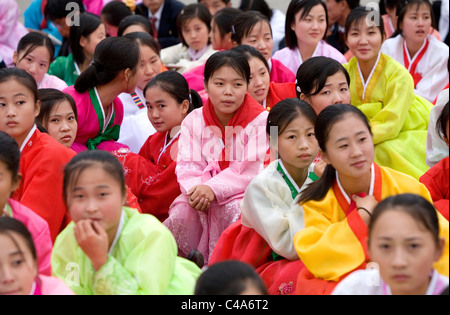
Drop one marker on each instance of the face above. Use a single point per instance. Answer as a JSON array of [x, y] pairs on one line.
[[226, 90], [91, 41], [405, 252], [17, 110], [335, 10], [163, 110], [7, 185], [150, 66], [364, 41], [416, 23], [259, 80], [214, 5], [96, 196], [349, 148], [335, 91], [18, 268], [311, 28], [62, 124], [217, 41], [196, 33], [36, 63], [297, 144], [62, 27], [153, 5], [260, 37], [132, 79]]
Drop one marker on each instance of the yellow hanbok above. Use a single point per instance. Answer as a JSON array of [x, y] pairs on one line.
[[399, 118]]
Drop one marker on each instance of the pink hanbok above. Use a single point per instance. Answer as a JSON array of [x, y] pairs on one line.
[[97, 129], [11, 30], [39, 231], [47, 285], [52, 82], [225, 159], [292, 58]]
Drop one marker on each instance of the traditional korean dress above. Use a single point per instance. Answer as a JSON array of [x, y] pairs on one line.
[[136, 127], [42, 162], [141, 260], [399, 118], [52, 82], [428, 66], [369, 282], [65, 68], [39, 231], [97, 129], [48, 285], [151, 174], [185, 58], [270, 218], [226, 161], [334, 240], [436, 179], [292, 58]]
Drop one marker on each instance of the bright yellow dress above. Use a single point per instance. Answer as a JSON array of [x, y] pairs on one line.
[[399, 118]]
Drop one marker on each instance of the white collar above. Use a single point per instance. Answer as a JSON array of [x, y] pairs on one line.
[[33, 129], [366, 83], [118, 232], [372, 182], [158, 13]]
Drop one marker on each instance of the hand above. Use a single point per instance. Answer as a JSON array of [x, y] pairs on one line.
[[200, 197], [319, 167], [368, 202], [93, 240]]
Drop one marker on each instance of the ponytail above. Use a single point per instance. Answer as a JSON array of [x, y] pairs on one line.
[[195, 100], [318, 189]]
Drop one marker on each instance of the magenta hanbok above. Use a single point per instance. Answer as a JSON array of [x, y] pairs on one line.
[[39, 231], [48, 285], [97, 129], [292, 58], [201, 161]]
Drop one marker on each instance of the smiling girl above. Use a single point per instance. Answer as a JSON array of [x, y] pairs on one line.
[[339, 205], [306, 27]]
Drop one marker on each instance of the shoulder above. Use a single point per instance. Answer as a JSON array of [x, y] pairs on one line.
[[360, 282], [46, 148], [54, 286], [173, 6], [31, 219], [283, 53]]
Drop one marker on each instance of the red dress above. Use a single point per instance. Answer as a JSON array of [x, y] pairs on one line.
[[437, 181], [151, 174]]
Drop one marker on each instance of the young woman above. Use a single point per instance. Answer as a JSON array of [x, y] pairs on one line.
[[422, 54], [194, 25], [404, 243], [116, 249], [222, 146], [339, 205], [306, 28], [271, 215], [115, 70], [84, 37], [34, 54], [384, 91], [151, 173], [42, 157]]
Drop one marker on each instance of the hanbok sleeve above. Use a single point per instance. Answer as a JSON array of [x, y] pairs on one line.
[[271, 212]]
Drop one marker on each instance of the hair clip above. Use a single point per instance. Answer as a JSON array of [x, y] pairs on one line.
[[232, 30], [299, 90]]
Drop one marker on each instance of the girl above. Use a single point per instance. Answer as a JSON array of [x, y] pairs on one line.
[[384, 91], [271, 215], [222, 147], [115, 70], [9, 181], [306, 27], [422, 54], [116, 250], [151, 174], [437, 177], [34, 54], [321, 82], [193, 25], [253, 29], [42, 157], [19, 261], [260, 88], [84, 37], [220, 36], [59, 117], [136, 127], [111, 15], [339, 205], [404, 243]]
